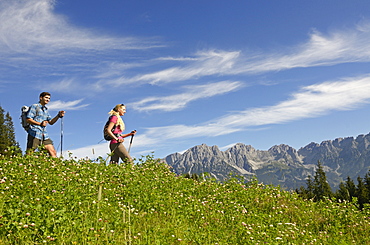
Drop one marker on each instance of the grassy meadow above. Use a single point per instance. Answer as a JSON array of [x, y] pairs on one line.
[[54, 201]]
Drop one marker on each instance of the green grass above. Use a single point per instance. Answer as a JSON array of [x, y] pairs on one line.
[[54, 201]]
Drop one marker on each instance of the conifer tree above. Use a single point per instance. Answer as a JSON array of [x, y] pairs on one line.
[[310, 187], [342, 193], [361, 193], [8, 143], [3, 143], [351, 187], [302, 192], [367, 183], [306, 193], [321, 186]]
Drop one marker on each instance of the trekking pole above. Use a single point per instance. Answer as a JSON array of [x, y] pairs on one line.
[[132, 137], [61, 138], [42, 137]]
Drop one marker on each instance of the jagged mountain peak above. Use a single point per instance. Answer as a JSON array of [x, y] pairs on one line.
[[281, 164], [240, 147], [281, 148], [310, 146], [203, 149]]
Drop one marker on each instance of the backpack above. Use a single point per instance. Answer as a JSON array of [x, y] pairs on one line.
[[105, 133], [25, 109], [23, 117]]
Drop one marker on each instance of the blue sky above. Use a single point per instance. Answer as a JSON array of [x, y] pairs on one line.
[[215, 72]]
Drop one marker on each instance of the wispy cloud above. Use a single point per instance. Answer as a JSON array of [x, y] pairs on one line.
[[311, 101], [320, 50], [69, 86], [65, 85], [204, 63], [32, 27], [66, 105], [192, 93]]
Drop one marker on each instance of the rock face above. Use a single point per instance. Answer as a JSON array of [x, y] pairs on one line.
[[281, 164]]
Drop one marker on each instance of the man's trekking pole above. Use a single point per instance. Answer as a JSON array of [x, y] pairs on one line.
[[42, 137], [61, 138], [132, 137]]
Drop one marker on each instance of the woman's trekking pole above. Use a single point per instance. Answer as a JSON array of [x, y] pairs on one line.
[[132, 137]]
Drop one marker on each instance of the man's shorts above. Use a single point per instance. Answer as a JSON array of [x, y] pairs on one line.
[[33, 143]]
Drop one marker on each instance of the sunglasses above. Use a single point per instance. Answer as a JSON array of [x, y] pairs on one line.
[[120, 105]]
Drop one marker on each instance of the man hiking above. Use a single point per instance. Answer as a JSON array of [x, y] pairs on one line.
[[38, 117]]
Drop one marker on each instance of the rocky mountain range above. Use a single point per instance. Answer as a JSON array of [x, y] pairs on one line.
[[281, 164]]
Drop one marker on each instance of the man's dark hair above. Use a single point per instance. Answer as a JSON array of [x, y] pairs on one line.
[[43, 94]]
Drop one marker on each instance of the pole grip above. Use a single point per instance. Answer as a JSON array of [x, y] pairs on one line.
[[132, 136]]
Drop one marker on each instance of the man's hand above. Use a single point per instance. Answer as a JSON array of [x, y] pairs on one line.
[[61, 114], [44, 123]]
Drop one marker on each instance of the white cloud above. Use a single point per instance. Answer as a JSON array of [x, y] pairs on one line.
[[69, 105], [207, 63], [64, 85], [311, 101], [192, 93], [334, 48], [32, 27], [91, 151]]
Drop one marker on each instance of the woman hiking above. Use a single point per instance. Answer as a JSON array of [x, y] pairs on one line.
[[114, 129]]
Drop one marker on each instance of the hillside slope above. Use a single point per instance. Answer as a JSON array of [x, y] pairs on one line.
[[54, 201]]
